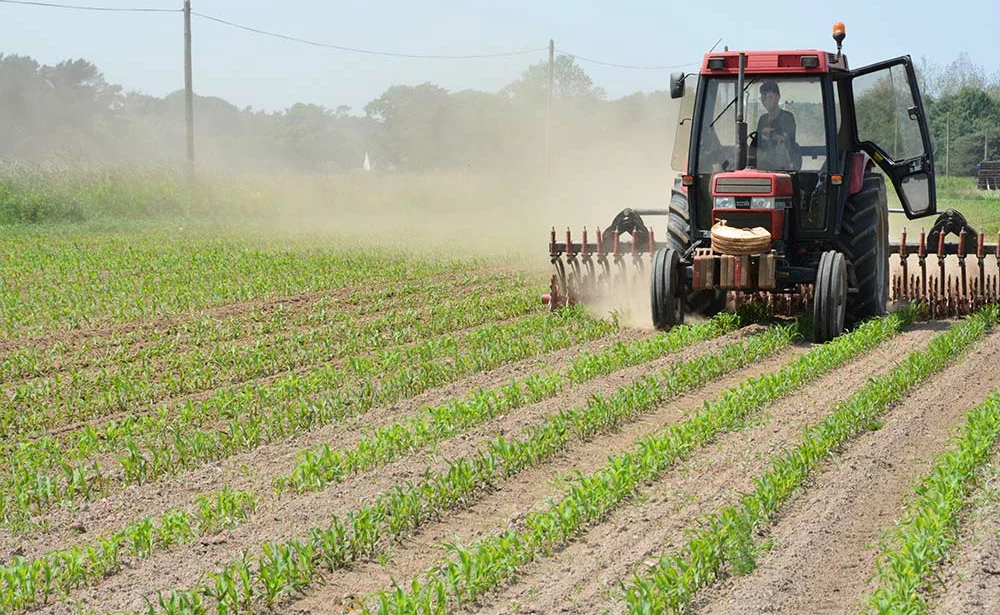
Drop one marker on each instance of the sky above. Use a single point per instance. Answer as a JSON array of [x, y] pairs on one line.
[[143, 51]]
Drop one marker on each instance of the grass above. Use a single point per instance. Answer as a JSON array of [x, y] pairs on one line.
[[980, 207]]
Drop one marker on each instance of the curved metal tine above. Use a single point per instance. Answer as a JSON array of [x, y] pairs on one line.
[[605, 276], [563, 286], [588, 282], [574, 281], [623, 277]]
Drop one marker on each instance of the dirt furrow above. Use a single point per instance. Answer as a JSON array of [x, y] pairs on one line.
[[823, 547], [256, 469], [292, 515], [584, 577], [81, 349], [529, 490], [123, 353], [172, 404], [235, 379], [970, 581]]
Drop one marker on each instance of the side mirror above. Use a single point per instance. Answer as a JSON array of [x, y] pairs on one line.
[[677, 85]]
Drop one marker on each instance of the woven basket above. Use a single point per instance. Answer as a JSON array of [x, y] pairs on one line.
[[740, 241]]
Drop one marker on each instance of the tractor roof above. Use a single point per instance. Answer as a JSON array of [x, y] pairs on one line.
[[802, 61]]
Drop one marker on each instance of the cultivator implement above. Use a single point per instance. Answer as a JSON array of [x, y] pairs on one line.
[[609, 264], [951, 278], [605, 263], [940, 275], [587, 272]]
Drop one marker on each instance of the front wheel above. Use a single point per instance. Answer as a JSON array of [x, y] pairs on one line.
[[830, 297], [665, 289]]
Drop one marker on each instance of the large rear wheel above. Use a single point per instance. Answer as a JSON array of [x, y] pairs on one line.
[[678, 222], [665, 289], [830, 297], [866, 245]]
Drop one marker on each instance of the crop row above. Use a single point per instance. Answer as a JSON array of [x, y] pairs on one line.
[[83, 395], [282, 568], [54, 282], [928, 528], [456, 415], [34, 573], [24, 583], [475, 570], [147, 343], [322, 466], [727, 536], [499, 556], [152, 446]]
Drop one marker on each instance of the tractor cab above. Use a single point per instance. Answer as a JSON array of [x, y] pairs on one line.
[[783, 145], [825, 127]]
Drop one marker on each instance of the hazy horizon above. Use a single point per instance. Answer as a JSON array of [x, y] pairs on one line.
[[143, 52]]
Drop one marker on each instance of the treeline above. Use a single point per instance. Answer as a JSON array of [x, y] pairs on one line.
[[963, 109], [69, 112]]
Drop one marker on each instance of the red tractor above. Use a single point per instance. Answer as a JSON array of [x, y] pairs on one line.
[[785, 148]]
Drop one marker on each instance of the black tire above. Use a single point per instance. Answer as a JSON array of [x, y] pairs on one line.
[[708, 303], [830, 297], [678, 222], [704, 302], [665, 289], [865, 243]]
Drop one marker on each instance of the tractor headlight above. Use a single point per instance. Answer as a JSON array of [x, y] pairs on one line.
[[762, 202], [725, 202]]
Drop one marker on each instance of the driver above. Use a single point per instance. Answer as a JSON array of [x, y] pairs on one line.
[[776, 146]]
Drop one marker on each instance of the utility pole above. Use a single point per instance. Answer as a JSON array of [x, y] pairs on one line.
[[188, 89], [548, 107], [986, 144]]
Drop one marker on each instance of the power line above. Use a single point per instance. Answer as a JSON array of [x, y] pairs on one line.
[[630, 66], [107, 9], [369, 51], [342, 47]]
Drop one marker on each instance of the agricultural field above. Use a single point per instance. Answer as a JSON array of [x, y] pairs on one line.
[[199, 422]]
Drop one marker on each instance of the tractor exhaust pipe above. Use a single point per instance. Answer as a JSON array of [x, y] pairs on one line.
[[741, 125]]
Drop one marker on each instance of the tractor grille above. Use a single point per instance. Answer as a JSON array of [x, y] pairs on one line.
[[746, 219], [743, 185]]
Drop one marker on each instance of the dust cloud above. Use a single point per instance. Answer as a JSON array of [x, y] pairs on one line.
[[502, 212], [445, 174]]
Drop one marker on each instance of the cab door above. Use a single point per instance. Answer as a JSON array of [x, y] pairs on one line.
[[890, 125]]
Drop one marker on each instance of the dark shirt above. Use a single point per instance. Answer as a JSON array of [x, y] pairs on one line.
[[773, 152]]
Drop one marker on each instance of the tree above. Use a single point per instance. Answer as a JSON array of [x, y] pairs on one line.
[[960, 74], [570, 83], [967, 118], [414, 124]]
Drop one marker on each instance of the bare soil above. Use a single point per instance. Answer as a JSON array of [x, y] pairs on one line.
[[291, 515], [970, 580], [256, 469], [584, 577], [823, 548], [817, 557]]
